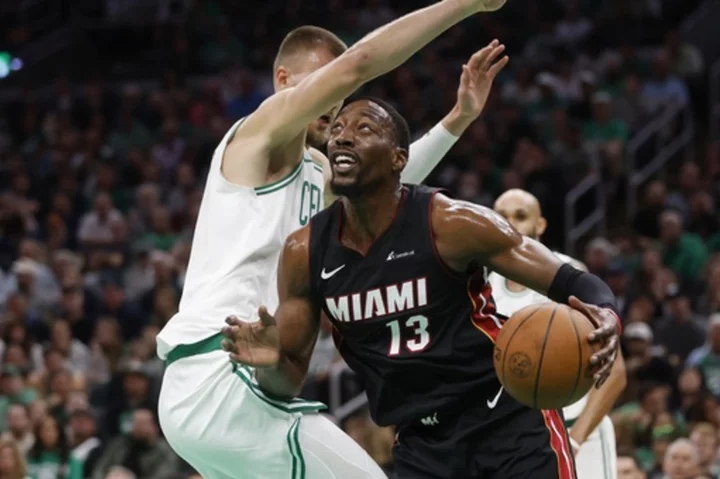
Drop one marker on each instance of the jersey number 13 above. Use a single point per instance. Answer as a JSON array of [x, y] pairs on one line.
[[411, 332]]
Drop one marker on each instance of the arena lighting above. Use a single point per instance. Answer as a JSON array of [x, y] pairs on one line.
[[9, 64]]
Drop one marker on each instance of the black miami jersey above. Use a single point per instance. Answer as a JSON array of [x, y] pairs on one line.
[[419, 335]]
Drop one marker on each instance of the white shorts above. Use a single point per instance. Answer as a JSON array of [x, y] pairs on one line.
[[216, 418], [597, 458]]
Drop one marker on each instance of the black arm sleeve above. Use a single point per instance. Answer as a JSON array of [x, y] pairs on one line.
[[587, 287]]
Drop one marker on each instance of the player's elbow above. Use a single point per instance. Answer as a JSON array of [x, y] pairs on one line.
[[357, 65]]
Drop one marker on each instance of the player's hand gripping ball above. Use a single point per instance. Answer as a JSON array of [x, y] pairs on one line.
[[549, 356]]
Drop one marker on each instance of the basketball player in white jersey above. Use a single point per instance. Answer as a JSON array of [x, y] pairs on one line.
[[263, 184], [591, 430]]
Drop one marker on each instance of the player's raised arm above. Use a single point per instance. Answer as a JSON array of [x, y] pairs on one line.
[[280, 346], [476, 81], [470, 236], [285, 115]]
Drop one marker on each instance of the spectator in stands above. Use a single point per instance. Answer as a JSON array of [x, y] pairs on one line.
[[647, 219], [76, 354], [681, 460], [141, 451], [131, 392], [86, 446], [628, 466], [707, 357], [19, 429], [13, 391], [685, 58], [50, 456], [664, 88], [689, 184], [630, 106], [684, 253], [96, 226], [12, 460], [642, 363], [681, 332], [704, 436]]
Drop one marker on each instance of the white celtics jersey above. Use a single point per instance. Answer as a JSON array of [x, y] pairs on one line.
[[238, 239], [508, 302]]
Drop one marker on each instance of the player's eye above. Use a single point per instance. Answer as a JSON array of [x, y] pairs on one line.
[[365, 127], [336, 128]]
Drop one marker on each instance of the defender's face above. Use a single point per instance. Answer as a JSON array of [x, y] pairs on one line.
[[526, 220], [362, 149], [288, 76]]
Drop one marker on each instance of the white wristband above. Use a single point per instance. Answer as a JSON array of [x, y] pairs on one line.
[[575, 445], [426, 152]]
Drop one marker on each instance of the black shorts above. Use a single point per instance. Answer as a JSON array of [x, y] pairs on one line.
[[527, 443]]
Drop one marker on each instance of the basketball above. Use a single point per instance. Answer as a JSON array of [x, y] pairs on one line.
[[542, 356]]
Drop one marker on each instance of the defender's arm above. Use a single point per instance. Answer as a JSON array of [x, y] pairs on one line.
[[297, 318], [284, 115], [600, 403]]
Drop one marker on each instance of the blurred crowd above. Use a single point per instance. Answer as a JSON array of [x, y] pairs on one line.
[[100, 184]]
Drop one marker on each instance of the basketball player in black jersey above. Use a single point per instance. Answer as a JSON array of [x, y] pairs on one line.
[[401, 273]]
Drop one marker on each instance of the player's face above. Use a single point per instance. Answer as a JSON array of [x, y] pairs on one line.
[[362, 149], [318, 132], [521, 216], [296, 70]]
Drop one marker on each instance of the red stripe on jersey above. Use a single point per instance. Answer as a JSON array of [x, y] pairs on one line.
[[560, 444], [483, 316]]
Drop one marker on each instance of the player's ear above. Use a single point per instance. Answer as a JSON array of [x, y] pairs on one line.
[[399, 160], [282, 77], [541, 226]]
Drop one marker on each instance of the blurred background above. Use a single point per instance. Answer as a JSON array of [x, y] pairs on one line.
[[109, 113]]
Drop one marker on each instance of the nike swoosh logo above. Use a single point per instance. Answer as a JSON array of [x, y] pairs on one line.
[[493, 403], [327, 275]]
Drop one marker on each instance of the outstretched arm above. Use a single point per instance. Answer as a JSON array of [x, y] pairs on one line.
[[286, 114], [475, 83], [599, 404], [280, 346], [470, 236]]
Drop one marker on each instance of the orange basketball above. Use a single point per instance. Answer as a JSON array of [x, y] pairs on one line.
[[542, 356]]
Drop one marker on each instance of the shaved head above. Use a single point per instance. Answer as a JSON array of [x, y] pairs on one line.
[[523, 212]]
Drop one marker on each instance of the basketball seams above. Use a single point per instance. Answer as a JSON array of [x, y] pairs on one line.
[[580, 355], [542, 355], [509, 341]]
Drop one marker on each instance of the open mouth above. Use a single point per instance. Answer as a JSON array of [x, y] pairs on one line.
[[343, 161]]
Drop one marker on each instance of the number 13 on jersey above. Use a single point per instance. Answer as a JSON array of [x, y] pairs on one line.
[[412, 333]]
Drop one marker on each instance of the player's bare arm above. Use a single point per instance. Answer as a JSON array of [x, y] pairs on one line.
[[599, 404], [282, 118], [280, 346], [470, 236]]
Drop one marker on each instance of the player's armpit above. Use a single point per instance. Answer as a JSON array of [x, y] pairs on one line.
[[297, 317], [469, 236]]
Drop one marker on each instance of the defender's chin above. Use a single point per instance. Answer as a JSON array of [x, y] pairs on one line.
[[342, 185]]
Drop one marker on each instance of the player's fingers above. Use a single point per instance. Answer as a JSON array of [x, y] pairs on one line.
[[491, 57], [498, 66], [233, 321], [605, 355], [479, 56], [583, 308], [265, 318], [228, 346], [465, 78]]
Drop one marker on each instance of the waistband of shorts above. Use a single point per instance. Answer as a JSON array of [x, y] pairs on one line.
[[207, 345]]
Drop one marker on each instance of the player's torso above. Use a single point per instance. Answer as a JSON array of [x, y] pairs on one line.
[[509, 300], [237, 242], [408, 326]]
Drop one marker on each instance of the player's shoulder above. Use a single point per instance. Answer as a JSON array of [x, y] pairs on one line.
[[453, 216], [297, 245]]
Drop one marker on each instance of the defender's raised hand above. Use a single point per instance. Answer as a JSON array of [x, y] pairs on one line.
[[477, 78], [254, 344], [606, 333]]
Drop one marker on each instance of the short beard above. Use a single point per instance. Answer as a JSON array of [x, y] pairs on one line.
[[352, 190]]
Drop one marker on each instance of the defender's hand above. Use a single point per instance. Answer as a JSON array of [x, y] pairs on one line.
[[254, 344], [606, 333], [477, 79], [490, 5]]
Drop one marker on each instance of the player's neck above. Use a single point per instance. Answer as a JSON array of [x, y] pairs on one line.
[[368, 217]]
